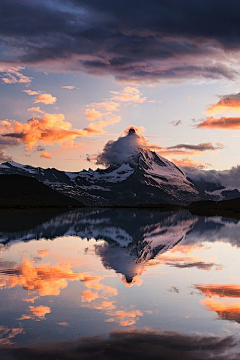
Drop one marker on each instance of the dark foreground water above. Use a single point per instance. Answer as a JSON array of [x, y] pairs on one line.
[[119, 284]]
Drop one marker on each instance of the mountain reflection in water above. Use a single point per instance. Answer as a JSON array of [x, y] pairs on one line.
[[158, 279]]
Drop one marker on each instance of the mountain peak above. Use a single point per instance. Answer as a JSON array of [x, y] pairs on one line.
[[131, 131]]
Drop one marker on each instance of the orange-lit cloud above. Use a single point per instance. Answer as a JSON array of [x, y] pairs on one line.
[[187, 249], [31, 300], [127, 318], [227, 123], [46, 155], [188, 162], [88, 295], [92, 114], [226, 103], [40, 311], [46, 99], [225, 310], [36, 313], [48, 129], [128, 94], [46, 280], [220, 290], [31, 92], [43, 252], [36, 109]]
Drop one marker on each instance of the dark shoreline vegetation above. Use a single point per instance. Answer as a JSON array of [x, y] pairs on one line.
[[20, 192]]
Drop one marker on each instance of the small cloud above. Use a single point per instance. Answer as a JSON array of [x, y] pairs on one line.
[[36, 109], [46, 155], [188, 162], [46, 99], [128, 94], [4, 157], [92, 114], [176, 122], [31, 92], [69, 87]]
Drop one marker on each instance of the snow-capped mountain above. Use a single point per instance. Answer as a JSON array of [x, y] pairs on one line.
[[141, 178]]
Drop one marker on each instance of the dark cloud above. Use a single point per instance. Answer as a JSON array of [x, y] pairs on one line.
[[147, 345], [131, 40], [176, 122], [199, 147], [201, 265]]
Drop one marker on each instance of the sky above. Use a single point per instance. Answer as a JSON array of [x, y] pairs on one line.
[[75, 75]]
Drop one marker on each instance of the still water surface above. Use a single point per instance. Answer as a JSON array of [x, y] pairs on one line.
[[125, 284]]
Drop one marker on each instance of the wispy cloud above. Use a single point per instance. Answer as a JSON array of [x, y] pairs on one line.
[[13, 75], [226, 123]]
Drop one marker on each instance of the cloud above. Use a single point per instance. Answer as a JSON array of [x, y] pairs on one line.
[[48, 129], [186, 43], [227, 123], [163, 344], [8, 334], [46, 99], [31, 92], [13, 75], [46, 155], [199, 147], [92, 114], [36, 109], [88, 295], [4, 157], [220, 290], [176, 122], [69, 87], [228, 178], [226, 103], [116, 152], [225, 310], [187, 163], [44, 279], [128, 94]]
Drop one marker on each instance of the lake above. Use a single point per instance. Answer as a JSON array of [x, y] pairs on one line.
[[118, 284]]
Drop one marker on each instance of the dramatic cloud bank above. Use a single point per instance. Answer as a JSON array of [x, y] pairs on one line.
[[137, 40], [229, 178], [160, 344]]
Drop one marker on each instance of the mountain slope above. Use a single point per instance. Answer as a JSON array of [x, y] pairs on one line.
[[21, 191]]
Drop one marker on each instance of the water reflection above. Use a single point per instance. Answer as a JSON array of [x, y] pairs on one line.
[[91, 271]]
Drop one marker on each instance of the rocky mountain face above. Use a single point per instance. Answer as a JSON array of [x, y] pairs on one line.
[[143, 178]]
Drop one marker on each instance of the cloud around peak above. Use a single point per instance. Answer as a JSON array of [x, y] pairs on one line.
[[116, 152]]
